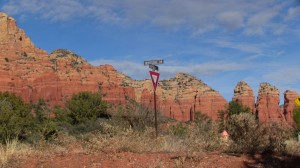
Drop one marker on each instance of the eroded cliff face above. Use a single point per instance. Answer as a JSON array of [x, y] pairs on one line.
[[267, 105], [184, 95], [33, 74], [289, 106], [14, 43], [243, 94]]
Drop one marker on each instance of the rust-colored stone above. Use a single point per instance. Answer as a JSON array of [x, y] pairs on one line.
[[289, 105], [244, 94], [267, 104]]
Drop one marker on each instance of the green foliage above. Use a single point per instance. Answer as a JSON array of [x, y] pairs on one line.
[[244, 133], [233, 108], [15, 117], [275, 137], [86, 106], [179, 130], [236, 108], [296, 117], [62, 115], [45, 127], [247, 136]]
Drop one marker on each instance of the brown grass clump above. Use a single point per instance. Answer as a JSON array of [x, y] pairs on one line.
[[292, 146], [11, 150]]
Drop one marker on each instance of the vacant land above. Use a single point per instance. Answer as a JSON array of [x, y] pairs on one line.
[[153, 160]]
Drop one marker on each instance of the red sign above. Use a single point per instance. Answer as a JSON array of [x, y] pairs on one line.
[[154, 77]]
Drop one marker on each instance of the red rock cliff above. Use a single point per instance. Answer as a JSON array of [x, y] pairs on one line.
[[289, 105], [33, 74], [244, 94], [267, 104]]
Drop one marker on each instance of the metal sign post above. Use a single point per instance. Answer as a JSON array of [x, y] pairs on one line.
[[154, 77]]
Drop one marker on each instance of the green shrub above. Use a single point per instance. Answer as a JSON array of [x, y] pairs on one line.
[[236, 108], [247, 136], [275, 137], [136, 116], [244, 132], [233, 108], [296, 117], [45, 126], [179, 130], [86, 106], [62, 115], [15, 117]]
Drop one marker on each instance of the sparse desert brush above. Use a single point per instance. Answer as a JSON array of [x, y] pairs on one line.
[[248, 136], [245, 135], [292, 147], [13, 149], [274, 137]]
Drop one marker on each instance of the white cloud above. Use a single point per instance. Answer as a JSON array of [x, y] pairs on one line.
[[284, 76], [232, 19], [200, 16], [139, 71], [247, 47], [293, 13], [257, 22]]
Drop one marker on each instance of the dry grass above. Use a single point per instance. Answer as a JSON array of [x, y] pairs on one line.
[[112, 138], [292, 147], [13, 149], [115, 139]]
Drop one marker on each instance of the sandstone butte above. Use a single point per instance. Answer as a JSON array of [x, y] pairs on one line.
[[33, 73], [267, 106], [243, 93]]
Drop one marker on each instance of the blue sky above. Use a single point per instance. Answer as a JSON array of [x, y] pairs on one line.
[[220, 42]]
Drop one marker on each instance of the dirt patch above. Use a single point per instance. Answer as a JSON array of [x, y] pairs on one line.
[[155, 160]]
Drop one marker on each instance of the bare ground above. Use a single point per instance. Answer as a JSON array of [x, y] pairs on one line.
[[154, 160]]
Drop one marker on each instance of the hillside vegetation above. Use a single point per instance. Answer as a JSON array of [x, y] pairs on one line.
[[85, 122]]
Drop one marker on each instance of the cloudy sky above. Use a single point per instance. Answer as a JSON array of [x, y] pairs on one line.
[[220, 42]]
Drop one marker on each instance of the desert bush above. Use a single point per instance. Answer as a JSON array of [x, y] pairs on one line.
[[179, 130], [296, 117], [62, 115], [85, 107], [274, 138], [292, 146], [136, 116], [236, 108], [15, 117], [245, 135], [233, 108], [45, 126]]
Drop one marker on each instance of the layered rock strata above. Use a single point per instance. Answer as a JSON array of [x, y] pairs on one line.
[[289, 106], [33, 74], [243, 94], [267, 105]]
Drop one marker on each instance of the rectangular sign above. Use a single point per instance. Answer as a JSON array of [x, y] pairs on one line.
[[153, 67], [153, 62]]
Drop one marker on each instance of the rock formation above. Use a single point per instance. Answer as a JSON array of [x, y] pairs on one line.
[[184, 95], [244, 94], [33, 74], [267, 105], [289, 105]]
